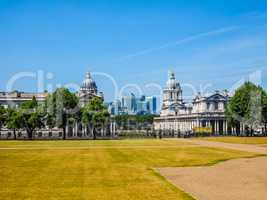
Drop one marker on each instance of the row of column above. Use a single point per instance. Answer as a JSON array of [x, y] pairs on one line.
[[86, 133], [220, 130], [218, 126]]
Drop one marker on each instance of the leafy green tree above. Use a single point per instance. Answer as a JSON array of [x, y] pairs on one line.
[[13, 121], [61, 106], [31, 116], [134, 121], [95, 115], [50, 121], [3, 117], [246, 107], [87, 118]]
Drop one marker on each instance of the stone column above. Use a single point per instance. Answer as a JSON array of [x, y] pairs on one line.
[[215, 123], [224, 128], [115, 128], [83, 130], [76, 129], [219, 127], [102, 131], [73, 131], [111, 129], [67, 130]]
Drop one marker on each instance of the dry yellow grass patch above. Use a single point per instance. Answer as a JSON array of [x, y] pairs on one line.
[[63, 170]]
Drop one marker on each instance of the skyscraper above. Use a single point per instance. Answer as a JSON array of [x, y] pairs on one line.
[[132, 105], [129, 103], [152, 104]]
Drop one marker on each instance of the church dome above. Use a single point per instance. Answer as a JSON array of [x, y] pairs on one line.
[[89, 84]]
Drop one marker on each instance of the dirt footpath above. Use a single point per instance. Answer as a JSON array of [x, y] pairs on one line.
[[242, 179], [240, 147]]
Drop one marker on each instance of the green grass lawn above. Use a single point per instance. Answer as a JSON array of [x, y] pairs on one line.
[[118, 170], [240, 140]]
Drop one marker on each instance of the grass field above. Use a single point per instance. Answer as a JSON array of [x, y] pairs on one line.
[[98, 170], [240, 140]]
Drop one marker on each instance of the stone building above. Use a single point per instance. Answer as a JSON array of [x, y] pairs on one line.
[[15, 98], [204, 111], [88, 90], [74, 130]]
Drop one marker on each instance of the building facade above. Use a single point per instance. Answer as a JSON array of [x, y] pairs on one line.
[[205, 111], [88, 90], [74, 130], [15, 99]]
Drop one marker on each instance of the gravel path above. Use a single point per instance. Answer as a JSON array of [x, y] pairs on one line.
[[244, 179]]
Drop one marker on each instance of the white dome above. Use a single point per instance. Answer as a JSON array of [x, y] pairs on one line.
[[88, 83]]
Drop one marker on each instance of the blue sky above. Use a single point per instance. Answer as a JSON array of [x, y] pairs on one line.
[[209, 44]]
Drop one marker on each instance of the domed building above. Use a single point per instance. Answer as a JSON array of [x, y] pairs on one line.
[[88, 90], [74, 129], [205, 111]]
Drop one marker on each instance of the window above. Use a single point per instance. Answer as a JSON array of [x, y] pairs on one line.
[[40, 134], [50, 134], [208, 106], [216, 105], [60, 134]]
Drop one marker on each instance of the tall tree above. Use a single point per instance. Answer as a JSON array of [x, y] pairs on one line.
[[13, 121], [31, 116], [246, 106], [3, 117], [95, 115], [60, 106]]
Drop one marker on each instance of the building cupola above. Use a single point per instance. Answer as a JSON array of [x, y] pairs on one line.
[[88, 85]]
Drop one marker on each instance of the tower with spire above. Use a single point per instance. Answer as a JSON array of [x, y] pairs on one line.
[[172, 96]]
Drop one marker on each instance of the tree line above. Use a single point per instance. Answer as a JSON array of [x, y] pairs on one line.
[[248, 107], [59, 109]]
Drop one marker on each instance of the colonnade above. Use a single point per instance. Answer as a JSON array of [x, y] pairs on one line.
[[78, 130], [218, 126]]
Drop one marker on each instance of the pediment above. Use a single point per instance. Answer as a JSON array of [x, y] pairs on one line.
[[217, 97]]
